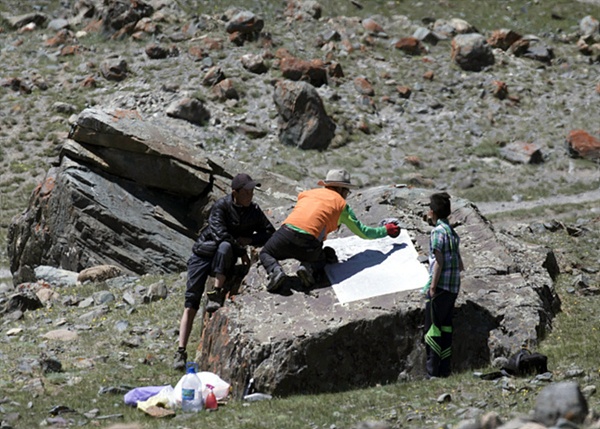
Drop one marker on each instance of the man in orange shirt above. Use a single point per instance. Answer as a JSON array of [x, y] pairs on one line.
[[317, 213]]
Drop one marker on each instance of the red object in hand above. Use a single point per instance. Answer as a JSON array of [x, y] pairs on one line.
[[393, 230], [211, 399]]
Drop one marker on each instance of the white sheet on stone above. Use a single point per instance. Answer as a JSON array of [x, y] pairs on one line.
[[369, 268]]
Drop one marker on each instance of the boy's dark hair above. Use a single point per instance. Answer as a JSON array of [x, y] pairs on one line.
[[440, 204]]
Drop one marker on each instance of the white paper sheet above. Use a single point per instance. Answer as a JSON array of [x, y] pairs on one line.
[[369, 268]]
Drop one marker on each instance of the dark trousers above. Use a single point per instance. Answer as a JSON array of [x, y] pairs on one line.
[[200, 267], [289, 244], [438, 333]]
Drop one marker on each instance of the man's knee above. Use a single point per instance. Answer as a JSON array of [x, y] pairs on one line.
[[225, 249]]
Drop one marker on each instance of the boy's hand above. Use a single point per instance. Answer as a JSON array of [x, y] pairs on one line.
[[393, 230]]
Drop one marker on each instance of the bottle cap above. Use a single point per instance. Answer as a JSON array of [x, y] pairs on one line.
[[190, 367]]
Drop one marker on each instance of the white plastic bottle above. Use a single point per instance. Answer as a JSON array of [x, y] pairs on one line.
[[191, 391]]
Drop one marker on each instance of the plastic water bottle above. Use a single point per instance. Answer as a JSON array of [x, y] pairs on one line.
[[191, 390]]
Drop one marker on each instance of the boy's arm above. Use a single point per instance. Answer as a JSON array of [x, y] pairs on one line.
[[437, 271], [349, 219]]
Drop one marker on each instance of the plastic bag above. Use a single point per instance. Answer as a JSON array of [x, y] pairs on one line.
[[220, 387], [141, 394], [165, 398]]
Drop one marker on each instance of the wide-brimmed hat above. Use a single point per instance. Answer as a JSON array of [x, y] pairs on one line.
[[243, 181], [337, 178]]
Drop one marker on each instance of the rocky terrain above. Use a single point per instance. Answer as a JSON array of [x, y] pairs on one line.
[[492, 118], [401, 115]]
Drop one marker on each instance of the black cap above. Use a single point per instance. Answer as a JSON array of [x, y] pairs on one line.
[[243, 181]]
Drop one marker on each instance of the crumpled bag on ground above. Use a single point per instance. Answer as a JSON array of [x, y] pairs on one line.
[[141, 394], [220, 387], [165, 398]]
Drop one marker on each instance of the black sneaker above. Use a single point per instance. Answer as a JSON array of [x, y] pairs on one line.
[[180, 360], [215, 300], [276, 280], [305, 273]]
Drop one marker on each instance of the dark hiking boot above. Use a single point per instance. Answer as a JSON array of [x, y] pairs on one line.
[[180, 360], [276, 280], [215, 300], [305, 273]]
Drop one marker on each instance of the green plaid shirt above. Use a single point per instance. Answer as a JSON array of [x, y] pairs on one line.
[[447, 241]]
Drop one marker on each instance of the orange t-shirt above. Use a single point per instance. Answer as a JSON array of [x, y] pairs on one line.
[[317, 212]]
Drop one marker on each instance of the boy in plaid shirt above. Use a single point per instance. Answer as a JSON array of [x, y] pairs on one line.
[[445, 265]]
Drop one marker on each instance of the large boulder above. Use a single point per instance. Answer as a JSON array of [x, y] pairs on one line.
[[303, 342], [125, 192], [303, 121]]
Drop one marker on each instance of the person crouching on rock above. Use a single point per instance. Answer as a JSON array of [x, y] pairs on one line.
[[317, 213], [234, 222]]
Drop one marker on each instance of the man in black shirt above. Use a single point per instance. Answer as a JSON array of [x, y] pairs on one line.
[[234, 222]]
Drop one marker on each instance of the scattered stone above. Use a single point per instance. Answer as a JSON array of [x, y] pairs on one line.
[[21, 302], [121, 17], [244, 26], [55, 276], [50, 365], [103, 297], [500, 90], [225, 90], [404, 91], [471, 52], [452, 27], [156, 52], [65, 108], [303, 121], [114, 69], [589, 26], [191, 109], [301, 10], [373, 27], [36, 18], [156, 292], [61, 335], [363, 86], [588, 391], [444, 397], [522, 153], [574, 373], [582, 144], [411, 46], [426, 36], [560, 400], [213, 76], [254, 63], [313, 71], [503, 39]]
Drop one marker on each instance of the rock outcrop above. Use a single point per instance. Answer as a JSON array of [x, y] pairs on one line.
[[124, 193], [302, 342]]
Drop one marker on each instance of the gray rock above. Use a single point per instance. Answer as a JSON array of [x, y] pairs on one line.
[[472, 52], [103, 297], [522, 152], [22, 20], [58, 24], [287, 340], [560, 400], [190, 109], [94, 192], [303, 121], [589, 25], [55, 276]]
